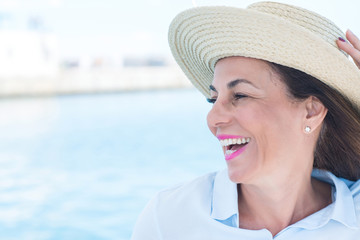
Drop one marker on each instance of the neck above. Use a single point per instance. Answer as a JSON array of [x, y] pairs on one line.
[[278, 204]]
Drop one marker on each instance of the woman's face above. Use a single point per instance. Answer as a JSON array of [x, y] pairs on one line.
[[260, 128]]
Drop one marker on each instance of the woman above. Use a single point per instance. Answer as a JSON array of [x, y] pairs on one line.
[[286, 111]]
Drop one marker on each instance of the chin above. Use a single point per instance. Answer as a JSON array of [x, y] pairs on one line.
[[235, 175], [243, 172]]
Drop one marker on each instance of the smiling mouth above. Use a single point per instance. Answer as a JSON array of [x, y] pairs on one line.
[[233, 145]]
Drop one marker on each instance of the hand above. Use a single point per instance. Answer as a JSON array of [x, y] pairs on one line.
[[352, 48]]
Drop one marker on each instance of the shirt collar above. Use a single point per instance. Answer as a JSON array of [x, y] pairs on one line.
[[225, 206], [343, 208], [224, 199]]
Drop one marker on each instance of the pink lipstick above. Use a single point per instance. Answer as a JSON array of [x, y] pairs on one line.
[[235, 154], [233, 145]]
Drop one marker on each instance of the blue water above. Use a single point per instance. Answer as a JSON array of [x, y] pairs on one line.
[[83, 167]]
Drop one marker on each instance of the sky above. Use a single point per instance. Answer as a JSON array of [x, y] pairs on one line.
[[113, 28]]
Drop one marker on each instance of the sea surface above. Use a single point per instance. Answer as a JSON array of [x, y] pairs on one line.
[[83, 167]]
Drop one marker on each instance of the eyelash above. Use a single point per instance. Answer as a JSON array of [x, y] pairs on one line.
[[239, 96], [211, 100], [236, 96]]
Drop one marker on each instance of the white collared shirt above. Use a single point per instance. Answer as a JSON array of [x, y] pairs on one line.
[[206, 208]]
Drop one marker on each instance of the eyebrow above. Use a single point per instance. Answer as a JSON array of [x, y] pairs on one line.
[[233, 83]]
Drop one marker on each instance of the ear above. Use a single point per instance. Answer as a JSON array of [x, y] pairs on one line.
[[315, 113]]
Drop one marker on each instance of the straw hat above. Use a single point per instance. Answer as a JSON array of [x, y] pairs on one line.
[[274, 32]]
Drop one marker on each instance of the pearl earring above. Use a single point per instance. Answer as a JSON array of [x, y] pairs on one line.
[[307, 129]]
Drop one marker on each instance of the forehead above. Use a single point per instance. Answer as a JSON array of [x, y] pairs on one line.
[[231, 68]]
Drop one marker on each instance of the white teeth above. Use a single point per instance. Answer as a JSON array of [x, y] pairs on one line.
[[228, 152], [227, 142]]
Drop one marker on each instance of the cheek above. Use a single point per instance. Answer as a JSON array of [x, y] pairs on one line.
[[274, 129], [259, 122], [249, 116]]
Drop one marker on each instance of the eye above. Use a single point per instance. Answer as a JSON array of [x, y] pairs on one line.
[[238, 96], [211, 100]]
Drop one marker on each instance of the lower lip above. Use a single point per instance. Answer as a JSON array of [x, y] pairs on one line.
[[235, 154]]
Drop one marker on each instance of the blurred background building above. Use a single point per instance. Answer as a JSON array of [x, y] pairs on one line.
[[30, 63], [27, 53]]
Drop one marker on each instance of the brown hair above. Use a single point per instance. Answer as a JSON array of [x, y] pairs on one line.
[[338, 145]]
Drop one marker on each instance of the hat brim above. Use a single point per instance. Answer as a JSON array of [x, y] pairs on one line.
[[199, 37]]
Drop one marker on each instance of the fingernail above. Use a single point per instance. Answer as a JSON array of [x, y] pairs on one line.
[[341, 39]]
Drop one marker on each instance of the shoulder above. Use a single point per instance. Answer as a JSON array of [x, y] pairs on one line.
[[174, 207], [195, 190], [186, 201], [355, 190], [354, 187]]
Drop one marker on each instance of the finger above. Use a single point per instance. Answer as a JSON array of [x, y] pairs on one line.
[[349, 49], [353, 39]]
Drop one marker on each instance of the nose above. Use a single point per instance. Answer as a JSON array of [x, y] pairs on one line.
[[218, 116]]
